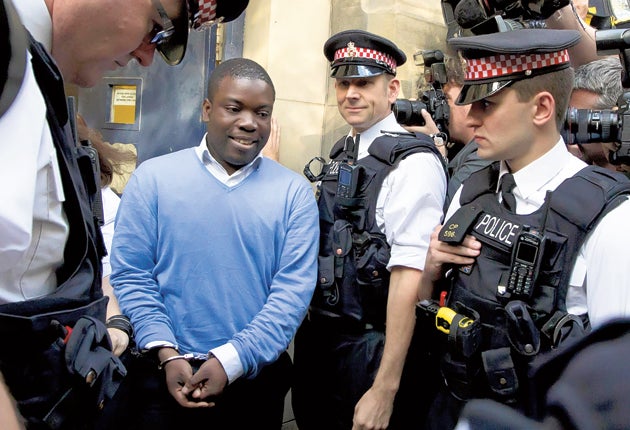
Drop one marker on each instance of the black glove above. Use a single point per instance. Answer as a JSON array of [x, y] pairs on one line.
[[543, 9]]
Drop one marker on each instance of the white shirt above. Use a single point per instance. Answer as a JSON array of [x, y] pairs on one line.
[[600, 280], [409, 204], [111, 201], [33, 226], [218, 171], [35, 16]]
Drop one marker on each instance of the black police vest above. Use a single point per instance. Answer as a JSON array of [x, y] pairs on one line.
[[33, 331], [516, 327], [353, 277]]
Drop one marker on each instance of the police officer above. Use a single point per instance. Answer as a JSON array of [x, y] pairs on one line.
[[378, 198], [535, 243], [57, 358]]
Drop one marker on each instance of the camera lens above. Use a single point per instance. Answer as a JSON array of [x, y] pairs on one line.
[[409, 112], [589, 125]]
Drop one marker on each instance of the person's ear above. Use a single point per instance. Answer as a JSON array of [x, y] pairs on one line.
[[544, 106], [393, 89], [206, 108]]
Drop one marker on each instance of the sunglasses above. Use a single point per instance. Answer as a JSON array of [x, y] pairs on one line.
[[159, 35], [171, 36]]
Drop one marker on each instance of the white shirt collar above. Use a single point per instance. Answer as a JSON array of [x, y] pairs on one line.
[[539, 172], [36, 18], [219, 172], [367, 137]]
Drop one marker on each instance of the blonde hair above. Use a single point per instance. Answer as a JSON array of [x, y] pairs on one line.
[[111, 159]]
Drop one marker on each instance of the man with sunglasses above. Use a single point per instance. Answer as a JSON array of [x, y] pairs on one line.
[[51, 299]]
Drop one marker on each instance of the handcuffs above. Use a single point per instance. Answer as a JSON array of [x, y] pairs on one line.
[[188, 357]]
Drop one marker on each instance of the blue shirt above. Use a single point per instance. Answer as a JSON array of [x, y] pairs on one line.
[[200, 264]]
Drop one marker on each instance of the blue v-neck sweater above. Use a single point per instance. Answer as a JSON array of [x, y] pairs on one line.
[[199, 264]]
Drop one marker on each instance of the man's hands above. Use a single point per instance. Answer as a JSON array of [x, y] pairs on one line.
[[374, 409], [440, 254], [272, 147], [190, 389], [209, 380], [119, 339], [429, 128]]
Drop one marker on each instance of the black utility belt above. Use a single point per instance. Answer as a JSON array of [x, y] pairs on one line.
[[342, 324]]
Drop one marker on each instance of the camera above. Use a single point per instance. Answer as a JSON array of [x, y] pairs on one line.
[[583, 126], [466, 17], [433, 99]]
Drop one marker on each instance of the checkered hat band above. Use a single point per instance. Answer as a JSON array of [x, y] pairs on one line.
[[366, 53], [505, 65], [207, 12]]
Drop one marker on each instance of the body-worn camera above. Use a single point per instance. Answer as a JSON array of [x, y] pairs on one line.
[[433, 99]]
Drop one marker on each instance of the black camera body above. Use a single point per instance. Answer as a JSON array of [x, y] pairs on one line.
[[466, 17], [433, 99], [408, 112]]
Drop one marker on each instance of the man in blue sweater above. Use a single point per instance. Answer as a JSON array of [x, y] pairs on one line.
[[214, 261]]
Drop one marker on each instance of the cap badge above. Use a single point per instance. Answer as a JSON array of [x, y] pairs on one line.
[[352, 51]]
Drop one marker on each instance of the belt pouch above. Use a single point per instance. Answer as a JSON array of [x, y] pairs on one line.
[[500, 373]]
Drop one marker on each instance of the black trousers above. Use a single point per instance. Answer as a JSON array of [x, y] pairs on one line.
[[143, 401], [334, 369], [445, 411]]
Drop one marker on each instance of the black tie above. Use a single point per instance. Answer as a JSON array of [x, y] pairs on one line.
[[351, 148], [507, 185]]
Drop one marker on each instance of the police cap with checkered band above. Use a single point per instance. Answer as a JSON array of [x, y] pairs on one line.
[[359, 53], [198, 15], [496, 60]]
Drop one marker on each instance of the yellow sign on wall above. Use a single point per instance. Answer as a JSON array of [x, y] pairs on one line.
[[123, 109]]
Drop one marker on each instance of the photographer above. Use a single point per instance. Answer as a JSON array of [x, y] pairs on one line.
[[597, 86], [462, 150]]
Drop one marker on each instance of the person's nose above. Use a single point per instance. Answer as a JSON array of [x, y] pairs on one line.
[[473, 119], [247, 121], [144, 54], [353, 92]]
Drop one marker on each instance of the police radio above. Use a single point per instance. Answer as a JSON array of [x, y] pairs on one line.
[[347, 181], [526, 258], [349, 172]]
